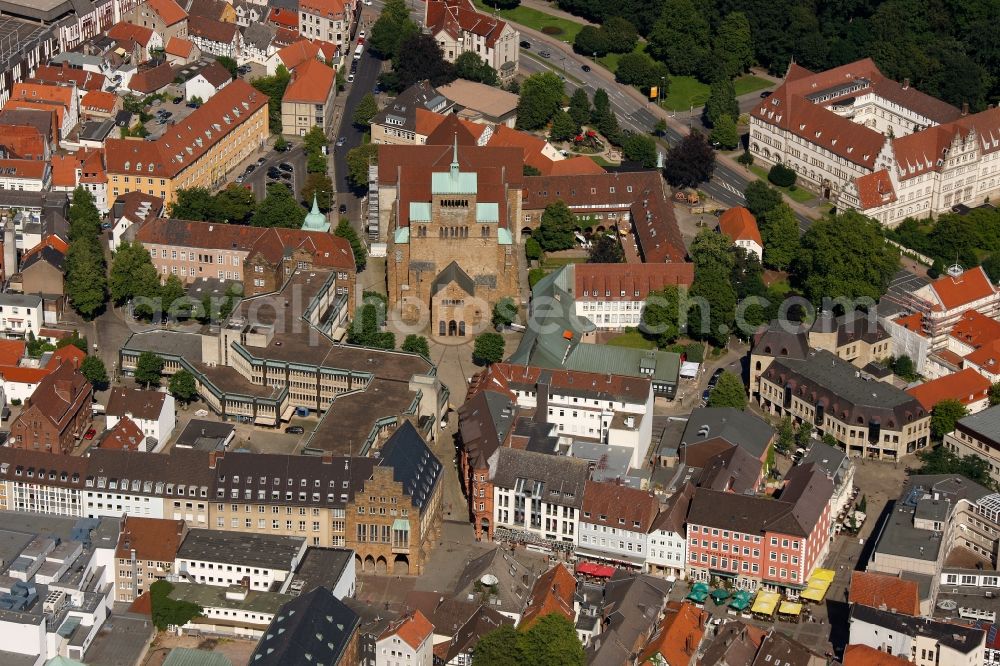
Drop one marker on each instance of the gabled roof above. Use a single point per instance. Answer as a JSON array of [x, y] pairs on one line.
[[315, 627], [212, 30], [460, 16], [628, 282], [966, 386], [413, 464], [284, 18], [64, 74], [168, 11], [138, 403], [875, 189], [955, 291], [453, 273], [414, 629], [553, 592], [178, 46], [212, 9], [739, 224], [45, 254], [619, 506], [216, 74], [126, 32], [880, 590], [59, 396], [98, 100], [986, 357], [975, 329], [125, 435], [441, 128], [311, 83], [863, 655], [151, 80], [331, 9], [295, 54], [677, 638]]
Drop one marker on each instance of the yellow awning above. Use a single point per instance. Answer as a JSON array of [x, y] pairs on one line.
[[818, 584], [789, 608], [823, 574], [765, 603]]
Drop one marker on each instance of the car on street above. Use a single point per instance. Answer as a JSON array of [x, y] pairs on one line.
[[341, 141], [525, 45], [261, 161], [250, 168], [350, 76], [90, 434], [272, 172], [361, 34], [586, 68], [343, 209], [545, 54], [177, 100], [715, 377], [766, 93], [705, 395], [295, 430], [240, 178], [377, 89], [191, 105], [285, 166], [106, 225], [286, 176]]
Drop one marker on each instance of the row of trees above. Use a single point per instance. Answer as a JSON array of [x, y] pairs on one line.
[[86, 277], [274, 87], [236, 204], [952, 237]]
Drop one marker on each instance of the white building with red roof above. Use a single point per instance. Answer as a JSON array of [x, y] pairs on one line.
[[876, 145], [406, 642], [458, 27], [741, 227], [613, 295], [327, 20], [944, 302]]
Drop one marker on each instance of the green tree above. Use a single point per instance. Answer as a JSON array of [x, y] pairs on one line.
[[745, 158], [714, 311], [660, 128], [939, 460], [314, 140], [639, 70], [532, 250], [945, 415], [733, 46], [534, 275], [233, 204], [504, 312], [471, 67], [365, 111], [721, 101], [761, 198], [35, 347], [994, 395], [779, 230], [902, 366], [728, 392], [640, 148], [281, 144], [803, 435], [844, 256], [229, 64], [563, 127], [591, 40], [725, 134], [279, 209], [93, 369], [392, 28], [320, 186], [182, 386], [621, 34], [557, 227], [74, 339], [345, 230], [786, 435], [133, 274], [781, 175], [500, 647], [661, 316], [84, 218], [167, 611], [488, 349], [358, 161], [528, 170], [552, 641], [416, 344], [148, 368], [86, 282], [690, 162], [171, 294], [541, 97], [274, 87], [192, 203], [681, 39], [606, 249], [579, 106], [420, 58]]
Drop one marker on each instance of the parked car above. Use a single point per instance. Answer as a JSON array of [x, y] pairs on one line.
[[261, 161], [715, 377], [285, 166], [90, 434], [240, 178], [766, 93], [350, 76], [178, 99], [165, 114], [250, 169], [343, 209], [106, 225], [341, 141], [362, 34], [705, 395], [295, 430], [191, 105], [545, 54], [273, 173], [525, 45], [586, 68], [377, 89]]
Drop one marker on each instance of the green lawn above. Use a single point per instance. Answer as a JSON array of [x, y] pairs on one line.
[[601, 162], [532, 18], [798, 194], [750, 83], [631, 339], [685, 92], [550, 263]]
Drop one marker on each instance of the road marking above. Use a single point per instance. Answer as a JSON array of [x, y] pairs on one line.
[[725, 185]]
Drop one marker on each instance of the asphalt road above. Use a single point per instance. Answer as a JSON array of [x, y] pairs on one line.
[[258, 179], [727, 184], [364, 80]]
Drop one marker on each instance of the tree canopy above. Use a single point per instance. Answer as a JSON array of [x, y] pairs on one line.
[[471, 67], [557, 227], [690, 162], [274, 87], [549, 641], [167, 611], [148, 368], [940, 460], [416, 344], [779, 231], [279, 209], [488, 349], [945, 415], [392, 28], [358, 161], [605, 249], [541, 97], [419, 58], [365, 111], [728, 392], [86, 278], [182, 386], [94, 370], [345, 230]]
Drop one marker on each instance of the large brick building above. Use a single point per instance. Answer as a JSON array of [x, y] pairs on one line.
[[450, 217], [56, 414]]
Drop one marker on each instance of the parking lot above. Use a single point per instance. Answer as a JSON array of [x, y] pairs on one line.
[[178, 112]]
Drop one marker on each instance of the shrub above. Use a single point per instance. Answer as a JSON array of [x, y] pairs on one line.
[[781, 176]]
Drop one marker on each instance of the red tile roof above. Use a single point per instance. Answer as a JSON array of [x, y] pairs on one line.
[[970, 286], [967, 386], [28, 169], [284, 18], [460, 16], [532, 146], [40, 93], [427, 122], [153, 79], [986, 358], [975, 329], [53, 241], [875, 189], [135, 402], [739, 224], [863, 655], [100, 101], [168, 10], [212, 30], [331, 9], [878, 589], [552, 593], [311, 83], [64, 170], [11, 351], [610, 504], [156, 539], [59, 396], [56, 74], [913, 322], [414, 629], [125, 32], [633, 389], [216, 74], [184, 143], [23, 141], [178, 46], [678, 636], [924, 151], [574, 166], [125, 436], [295, 54], [594, 281]]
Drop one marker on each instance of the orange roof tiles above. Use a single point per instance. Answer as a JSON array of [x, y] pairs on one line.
[[295, 54], [970, 286], [609, 504], [878, 589], [178, 46], [168, 10], [284, 18], [975, 329], [64, 170], [125, 435], [739, 224], [43, 94], [574, 166], [875, 189], [966, 386], [595, 281], [212, 30], [458, 16], [156, 539], [181, 145], [98, 100], [332, 9], [64, 74], [913, 322], [53, 241], [677, 638], [414, 629], [11, 351], [863, 655], [311, 83], [552, 593], [124, 32], [986, 358], [28, 169], [152, 79]]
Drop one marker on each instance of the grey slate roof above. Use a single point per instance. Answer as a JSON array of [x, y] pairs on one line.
[[413, 464], [259, 35], [314, 628], [632, 605], [484, 422], [403, 109], [514, 578], [955, 636], [744, 429], [255, 550], [984, 425], [48, 254], [562, 479], [777, 648], [453, 273], [783, 340], [831, 460]]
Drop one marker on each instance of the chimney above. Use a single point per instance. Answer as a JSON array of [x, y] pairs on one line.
[[965, 108], [906, 83], [327, 458], [213, 458]]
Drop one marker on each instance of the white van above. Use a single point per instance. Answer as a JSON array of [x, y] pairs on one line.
[[358, 51]]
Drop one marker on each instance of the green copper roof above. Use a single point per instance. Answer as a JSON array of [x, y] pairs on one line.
[[420, 211], [487, 212], [454, 182], [315, 220], [504, 237], [402, 235]]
